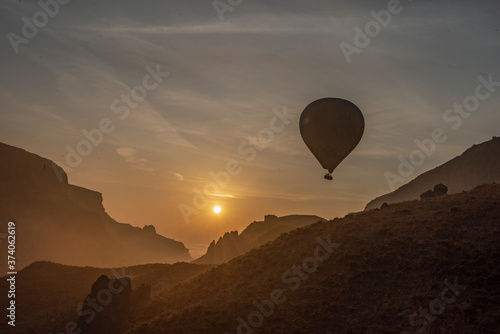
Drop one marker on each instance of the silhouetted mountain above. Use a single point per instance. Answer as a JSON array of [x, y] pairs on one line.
[[64, 223], [256, 234], [50, 294], [478, 165], [424, 266]]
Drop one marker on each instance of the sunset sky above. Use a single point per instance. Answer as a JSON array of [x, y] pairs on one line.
[[229, 75]]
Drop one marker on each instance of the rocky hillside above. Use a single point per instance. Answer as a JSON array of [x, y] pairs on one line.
[[429, 266], [50, 294], [64, 223], [478, 165], [256, 234]]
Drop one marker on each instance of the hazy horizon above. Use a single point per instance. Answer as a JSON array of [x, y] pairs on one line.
[[227, 80]]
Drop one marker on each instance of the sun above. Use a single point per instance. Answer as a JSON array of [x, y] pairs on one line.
[[217, 209]]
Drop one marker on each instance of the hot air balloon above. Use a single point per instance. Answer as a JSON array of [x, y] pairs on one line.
[[331, 128]]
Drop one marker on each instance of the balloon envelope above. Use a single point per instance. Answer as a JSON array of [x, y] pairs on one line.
[[331, 128]]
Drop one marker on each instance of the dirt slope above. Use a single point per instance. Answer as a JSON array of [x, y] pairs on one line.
[[390, 267]]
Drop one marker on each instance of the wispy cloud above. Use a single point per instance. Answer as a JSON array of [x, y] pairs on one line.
[[130, 155], [269, 25], [178, 177], [222, 195], [226, 77]]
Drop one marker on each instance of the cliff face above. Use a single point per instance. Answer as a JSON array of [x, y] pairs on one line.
[[22, 170], [86, 198], [146, 245], [478, 165], [64, 223], [232, 244]]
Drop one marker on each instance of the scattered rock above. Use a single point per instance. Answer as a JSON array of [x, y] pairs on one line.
[[427, 194], [106, 308], [384, 205], [479, 164], [270, 218], [149, 229], [440, 190]]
